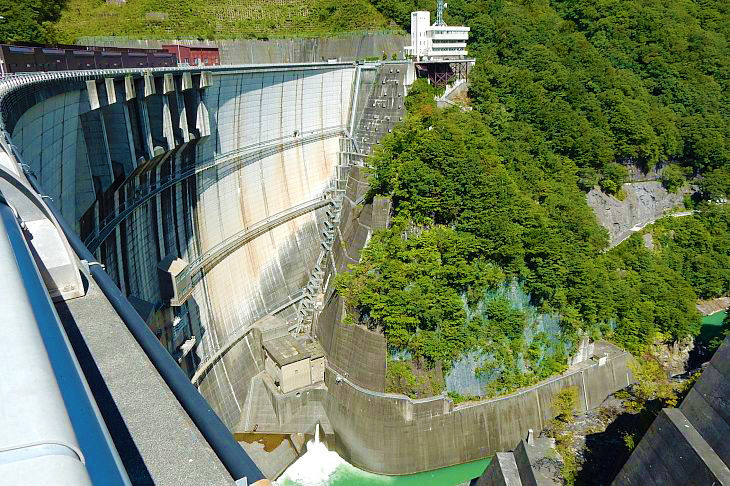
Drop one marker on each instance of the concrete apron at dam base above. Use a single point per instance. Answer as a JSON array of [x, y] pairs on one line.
[[395, 435]]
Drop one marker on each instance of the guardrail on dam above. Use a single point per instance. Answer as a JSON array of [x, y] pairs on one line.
[[211, 195]]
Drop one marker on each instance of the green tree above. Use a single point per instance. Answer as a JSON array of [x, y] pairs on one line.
[[715, 185], [29, 20], [673, 177], [614, 175]]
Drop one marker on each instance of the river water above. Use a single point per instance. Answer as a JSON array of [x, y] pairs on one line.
[[711, 326], [321, 467]]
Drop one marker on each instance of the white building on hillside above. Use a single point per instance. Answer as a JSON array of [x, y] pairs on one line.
[[438, 41]]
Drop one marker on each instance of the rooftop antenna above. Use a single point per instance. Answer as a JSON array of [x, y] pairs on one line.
[[440, 6]]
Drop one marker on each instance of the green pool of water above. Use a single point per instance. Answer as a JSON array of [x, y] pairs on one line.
[[320, 467], [711, 326], [462, 473]]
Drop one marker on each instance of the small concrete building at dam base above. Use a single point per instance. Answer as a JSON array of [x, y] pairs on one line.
[[189, 223]]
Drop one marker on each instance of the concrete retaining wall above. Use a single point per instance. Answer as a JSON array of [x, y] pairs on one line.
[[346, 47], [392, 434]]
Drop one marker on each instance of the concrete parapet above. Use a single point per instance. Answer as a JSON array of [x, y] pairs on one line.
[[502, 471], [673, 452], [157, 441]]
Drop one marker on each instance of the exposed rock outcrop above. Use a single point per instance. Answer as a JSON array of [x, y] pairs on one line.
[[708, 307], [644, 203], [673, 357]]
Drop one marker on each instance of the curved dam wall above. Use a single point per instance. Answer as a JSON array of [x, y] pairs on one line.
[[226, 173]]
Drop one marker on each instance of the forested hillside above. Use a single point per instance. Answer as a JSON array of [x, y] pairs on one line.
[[168, 19], [29, 20], [566, 94]]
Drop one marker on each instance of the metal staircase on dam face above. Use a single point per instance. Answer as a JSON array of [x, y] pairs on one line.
[[306, 306], [382, 111]]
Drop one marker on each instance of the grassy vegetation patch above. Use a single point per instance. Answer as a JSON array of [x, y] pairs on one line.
[[217, 19]]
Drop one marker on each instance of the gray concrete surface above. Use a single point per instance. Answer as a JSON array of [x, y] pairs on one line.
[[502, 471], [538, 462], [156, 440], [673, 452], [372, 427]]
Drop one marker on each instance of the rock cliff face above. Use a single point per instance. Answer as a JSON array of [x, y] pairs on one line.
[[673, 357], [644, 203], [708, 307]]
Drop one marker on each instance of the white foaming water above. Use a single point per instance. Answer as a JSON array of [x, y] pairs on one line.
[[314, 468]]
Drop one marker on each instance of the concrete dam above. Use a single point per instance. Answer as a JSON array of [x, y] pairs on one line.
[[223, 202]]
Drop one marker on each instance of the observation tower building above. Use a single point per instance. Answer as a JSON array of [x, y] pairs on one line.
[[438, 41]]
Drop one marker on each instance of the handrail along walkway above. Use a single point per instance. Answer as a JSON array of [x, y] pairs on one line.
[[45, 385]]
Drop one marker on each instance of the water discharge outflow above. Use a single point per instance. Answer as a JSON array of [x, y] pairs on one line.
[[315, 468], [322, 467]]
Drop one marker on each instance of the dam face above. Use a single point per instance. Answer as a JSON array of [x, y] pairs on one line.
[[224, 173]]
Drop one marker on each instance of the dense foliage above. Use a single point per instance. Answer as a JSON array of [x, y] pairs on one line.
[[605, 81], [473, 209], [218, 19], [566, 95], [29, 20]]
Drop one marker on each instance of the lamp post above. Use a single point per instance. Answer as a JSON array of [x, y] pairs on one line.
[[2, 60]]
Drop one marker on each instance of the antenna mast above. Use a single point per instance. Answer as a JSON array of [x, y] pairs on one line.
[[440, 13]]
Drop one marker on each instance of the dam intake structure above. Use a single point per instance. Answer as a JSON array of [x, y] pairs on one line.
[[223, 202]]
